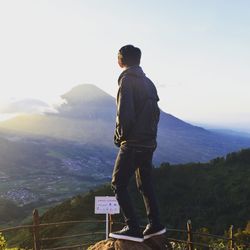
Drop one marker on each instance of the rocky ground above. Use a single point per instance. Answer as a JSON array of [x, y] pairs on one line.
[[155, 243]]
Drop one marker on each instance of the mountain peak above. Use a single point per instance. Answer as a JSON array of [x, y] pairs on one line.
[[89, 102], [85, 93]]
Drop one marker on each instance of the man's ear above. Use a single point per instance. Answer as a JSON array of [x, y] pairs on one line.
[[120, 62]]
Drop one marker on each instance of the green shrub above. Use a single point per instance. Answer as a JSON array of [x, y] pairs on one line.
[[2, 242]]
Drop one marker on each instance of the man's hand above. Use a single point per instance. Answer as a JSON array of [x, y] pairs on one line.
[[117, 140]]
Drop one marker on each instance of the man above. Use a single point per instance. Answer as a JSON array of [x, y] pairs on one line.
[[135, 134]]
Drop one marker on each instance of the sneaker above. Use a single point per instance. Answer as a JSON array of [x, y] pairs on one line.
[[128, 234], [153, 230]]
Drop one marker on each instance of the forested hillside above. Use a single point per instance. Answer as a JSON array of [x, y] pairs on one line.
[[213, 195]]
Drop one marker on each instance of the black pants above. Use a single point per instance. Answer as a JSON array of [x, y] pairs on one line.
[[132, 160]]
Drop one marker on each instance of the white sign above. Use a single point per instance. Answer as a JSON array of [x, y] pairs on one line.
[[106, 205]]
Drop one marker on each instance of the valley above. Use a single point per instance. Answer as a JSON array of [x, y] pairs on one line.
[[44, 172]]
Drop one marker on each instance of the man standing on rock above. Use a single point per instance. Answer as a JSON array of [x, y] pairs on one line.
[[135, 134]]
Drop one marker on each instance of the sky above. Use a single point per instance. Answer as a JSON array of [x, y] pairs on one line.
[[196, 52]]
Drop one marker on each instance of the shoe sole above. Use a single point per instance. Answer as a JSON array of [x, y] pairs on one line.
[[155, 234], [125, 237]]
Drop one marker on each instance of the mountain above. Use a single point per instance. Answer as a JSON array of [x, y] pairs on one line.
[[214, 195], [88, 116], [230, 132]]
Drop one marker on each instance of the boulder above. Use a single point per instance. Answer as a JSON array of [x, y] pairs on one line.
[[158, 243], [154, 243], [103, 245], [130, 245]]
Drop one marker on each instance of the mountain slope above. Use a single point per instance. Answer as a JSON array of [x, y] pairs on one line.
[[188, 143], [88, 116]]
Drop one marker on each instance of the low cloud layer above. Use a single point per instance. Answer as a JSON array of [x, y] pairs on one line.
[[27, 106]]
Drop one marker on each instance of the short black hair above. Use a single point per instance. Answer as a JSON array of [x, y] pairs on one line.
[[130, 55]]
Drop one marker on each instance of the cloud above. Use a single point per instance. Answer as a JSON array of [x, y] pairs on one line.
[[27, 106], [172, 84]]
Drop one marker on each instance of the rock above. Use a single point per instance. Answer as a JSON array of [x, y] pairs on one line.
[[130, 245], [158, 243], [154, 243], [103, 245]]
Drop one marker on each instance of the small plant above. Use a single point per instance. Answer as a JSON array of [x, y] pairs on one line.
[[2, 242], [178, 246]]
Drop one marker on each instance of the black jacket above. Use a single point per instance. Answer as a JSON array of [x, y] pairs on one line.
[[137, 109]]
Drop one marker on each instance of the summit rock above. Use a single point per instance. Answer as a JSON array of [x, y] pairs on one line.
[[155, 243]]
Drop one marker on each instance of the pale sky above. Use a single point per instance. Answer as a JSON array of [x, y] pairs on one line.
[[196, 52]]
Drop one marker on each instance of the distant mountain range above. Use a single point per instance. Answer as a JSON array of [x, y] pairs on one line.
[[88, 116]]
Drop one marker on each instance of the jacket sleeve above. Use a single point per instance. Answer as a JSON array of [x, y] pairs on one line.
[[125, 110]]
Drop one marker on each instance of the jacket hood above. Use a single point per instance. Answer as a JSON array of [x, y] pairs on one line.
[[135, 71]]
